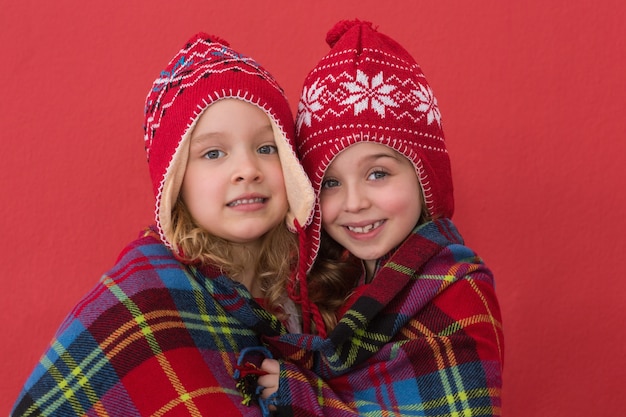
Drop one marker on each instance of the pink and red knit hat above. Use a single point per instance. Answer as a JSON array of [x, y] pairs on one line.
[[204, 71], [368, 88]]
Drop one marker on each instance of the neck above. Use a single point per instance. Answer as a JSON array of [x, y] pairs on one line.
[[248, 253], [370, 267]]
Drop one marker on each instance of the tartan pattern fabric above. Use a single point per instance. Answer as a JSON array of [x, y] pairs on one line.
[[423, 339], [153, 338]]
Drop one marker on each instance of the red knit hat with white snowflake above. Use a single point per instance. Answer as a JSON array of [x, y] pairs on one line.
[[204, 71], [368, 88]]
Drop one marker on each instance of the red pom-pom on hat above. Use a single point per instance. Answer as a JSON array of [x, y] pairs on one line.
[[341, 28]]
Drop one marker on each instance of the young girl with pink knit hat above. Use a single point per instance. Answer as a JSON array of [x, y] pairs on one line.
[[165, 331], [404, 317]]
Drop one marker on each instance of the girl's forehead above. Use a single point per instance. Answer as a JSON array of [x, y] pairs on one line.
[[231, 117], [363, 152]]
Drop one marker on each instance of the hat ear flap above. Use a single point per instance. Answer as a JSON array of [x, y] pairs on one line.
[[299, 190]]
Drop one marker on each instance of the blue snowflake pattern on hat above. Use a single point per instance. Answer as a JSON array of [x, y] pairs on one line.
[[228, 55], [172, 78]]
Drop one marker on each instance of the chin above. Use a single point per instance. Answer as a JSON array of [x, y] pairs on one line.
[[367, 256]]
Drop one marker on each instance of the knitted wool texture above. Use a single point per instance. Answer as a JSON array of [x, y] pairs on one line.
[[368, 88], [204, 71]]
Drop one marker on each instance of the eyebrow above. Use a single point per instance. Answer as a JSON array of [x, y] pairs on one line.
[[200, 139], [380, 155], [368, 159]]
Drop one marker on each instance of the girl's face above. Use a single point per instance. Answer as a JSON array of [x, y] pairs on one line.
[[370, 200], [233, 185]]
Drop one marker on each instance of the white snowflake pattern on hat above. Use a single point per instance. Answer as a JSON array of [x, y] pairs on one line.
[[427, 103], [309, 103], [362, 93]]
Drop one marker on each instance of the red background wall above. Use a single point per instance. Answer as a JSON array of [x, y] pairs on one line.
[[532, 95]]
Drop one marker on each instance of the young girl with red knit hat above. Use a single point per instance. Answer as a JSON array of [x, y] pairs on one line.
[[163, 331], [404, 315]]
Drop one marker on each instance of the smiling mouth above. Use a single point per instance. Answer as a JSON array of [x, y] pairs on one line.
[[246, 201], [365, 229]]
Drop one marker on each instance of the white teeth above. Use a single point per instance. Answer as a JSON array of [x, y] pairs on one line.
[[246, 201], [365, 229]]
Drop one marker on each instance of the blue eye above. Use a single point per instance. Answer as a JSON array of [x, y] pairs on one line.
[[268, 149], [377, 175], [214, 154], [330, 183]]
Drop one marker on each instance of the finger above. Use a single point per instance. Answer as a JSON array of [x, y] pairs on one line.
[[268, 381], [271, 366]]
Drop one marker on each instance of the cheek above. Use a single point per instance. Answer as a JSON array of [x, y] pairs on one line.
[[328, 208], [273, 173], [198, 183], [275, 180], [191, 181], [400, 198], [397, 203], [408, 207]]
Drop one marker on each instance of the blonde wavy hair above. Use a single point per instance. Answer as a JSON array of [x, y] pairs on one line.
[[274, 262]]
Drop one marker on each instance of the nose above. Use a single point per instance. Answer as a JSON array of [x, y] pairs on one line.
[[246, 168], [355, 198]]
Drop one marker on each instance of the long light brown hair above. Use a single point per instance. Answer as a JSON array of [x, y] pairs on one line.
[[274, 261]]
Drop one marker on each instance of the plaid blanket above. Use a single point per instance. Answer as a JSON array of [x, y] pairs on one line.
[[423, 339], [154, 337]]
